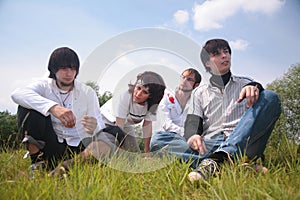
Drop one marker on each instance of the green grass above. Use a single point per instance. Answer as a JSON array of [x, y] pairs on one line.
[[99, 181]]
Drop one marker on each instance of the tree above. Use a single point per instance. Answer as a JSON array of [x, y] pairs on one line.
[[9, 136], [288, 89], [102, 98]]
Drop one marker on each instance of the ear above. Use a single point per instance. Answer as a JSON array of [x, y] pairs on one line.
[[208, 64], [196, 85]]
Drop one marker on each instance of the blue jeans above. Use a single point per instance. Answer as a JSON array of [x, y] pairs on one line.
[[249, 137]]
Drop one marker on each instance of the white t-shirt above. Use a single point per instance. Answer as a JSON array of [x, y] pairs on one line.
[[124, 107]]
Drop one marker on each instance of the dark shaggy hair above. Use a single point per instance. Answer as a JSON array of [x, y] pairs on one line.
[[213, 47], [63, 57], [198, 76], [156, 86]]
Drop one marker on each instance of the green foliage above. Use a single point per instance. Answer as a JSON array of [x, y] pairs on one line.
[[8, 130], [99, 181], [102, 98], [94, 86], [288, 89]]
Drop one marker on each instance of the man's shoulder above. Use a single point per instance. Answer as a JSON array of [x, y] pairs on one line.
[[201, 88], [168, 91], [242, 78], [169, 97], [82, 87], [42, 82]]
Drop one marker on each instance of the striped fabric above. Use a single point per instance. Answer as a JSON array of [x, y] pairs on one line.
[[219, 109]]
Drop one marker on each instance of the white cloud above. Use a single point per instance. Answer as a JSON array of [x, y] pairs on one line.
[[181, 17], [265, 7], [209, 14], [239, 44]]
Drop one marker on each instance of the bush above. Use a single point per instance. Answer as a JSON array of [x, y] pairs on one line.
[[9, 137], [288, 89]]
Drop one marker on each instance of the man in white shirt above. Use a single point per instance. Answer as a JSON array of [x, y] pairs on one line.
[[174, 107], [58, 116]]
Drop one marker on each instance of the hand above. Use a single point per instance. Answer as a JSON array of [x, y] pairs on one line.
[[89, 123], [196, 142], [251, 93], [147, 156], [65, 115]]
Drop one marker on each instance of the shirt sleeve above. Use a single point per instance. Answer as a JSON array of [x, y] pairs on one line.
[[150, 117], [194, 121], [193, 125], [258, 85], [32, 97], [94, 110], [122, 103], [196, 107]]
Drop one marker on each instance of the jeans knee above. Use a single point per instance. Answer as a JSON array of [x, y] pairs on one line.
[[161, 139], [273, 100], [155, 143]]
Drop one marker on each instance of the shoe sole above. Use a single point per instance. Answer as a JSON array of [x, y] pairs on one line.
[[195, 176]]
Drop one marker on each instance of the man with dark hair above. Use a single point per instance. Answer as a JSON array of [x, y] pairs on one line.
[[229, 117], [58, 116], [174, 107]]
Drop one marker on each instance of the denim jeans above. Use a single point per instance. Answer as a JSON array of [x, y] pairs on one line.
[[248, 138]]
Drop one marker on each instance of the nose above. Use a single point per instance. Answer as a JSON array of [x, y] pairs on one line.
[[139, 93], [223, 54], [69, 71]]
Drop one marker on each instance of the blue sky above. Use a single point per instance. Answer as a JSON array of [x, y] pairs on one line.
[[264, 35]]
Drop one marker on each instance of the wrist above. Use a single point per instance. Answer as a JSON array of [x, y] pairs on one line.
[[53, 108]]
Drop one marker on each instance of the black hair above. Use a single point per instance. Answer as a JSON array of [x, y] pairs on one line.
[[213, 46], [156, 86], [63, 57], [197, 75]]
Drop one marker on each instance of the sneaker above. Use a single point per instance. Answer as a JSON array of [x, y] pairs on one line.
[[207, 168], [256, 167], [62, 169], [36, 168], [59, 171]]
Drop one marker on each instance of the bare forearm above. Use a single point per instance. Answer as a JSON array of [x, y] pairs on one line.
[[147, 144], [147, 133]]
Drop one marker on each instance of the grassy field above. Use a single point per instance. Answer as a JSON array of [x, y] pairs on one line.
[[99, 181]]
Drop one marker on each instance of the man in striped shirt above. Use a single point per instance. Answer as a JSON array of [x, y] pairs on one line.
[[229, 117]]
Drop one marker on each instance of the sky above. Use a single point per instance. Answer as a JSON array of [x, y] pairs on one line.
[[263, 35]]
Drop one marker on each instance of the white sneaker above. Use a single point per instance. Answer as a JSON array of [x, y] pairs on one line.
[[36, 168], [206, 169]]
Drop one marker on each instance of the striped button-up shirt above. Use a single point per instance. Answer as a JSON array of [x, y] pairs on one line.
[[219, 109]]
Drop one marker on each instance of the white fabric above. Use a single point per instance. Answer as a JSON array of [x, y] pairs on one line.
[[124, 107], [44, 94], [220, 112], [173, 114]]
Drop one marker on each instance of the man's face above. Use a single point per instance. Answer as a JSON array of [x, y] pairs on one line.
[[187, 81], [219, 62], [65, 76]]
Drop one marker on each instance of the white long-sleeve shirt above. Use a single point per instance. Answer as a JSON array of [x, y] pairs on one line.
[[174, 116], [44, 94]]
